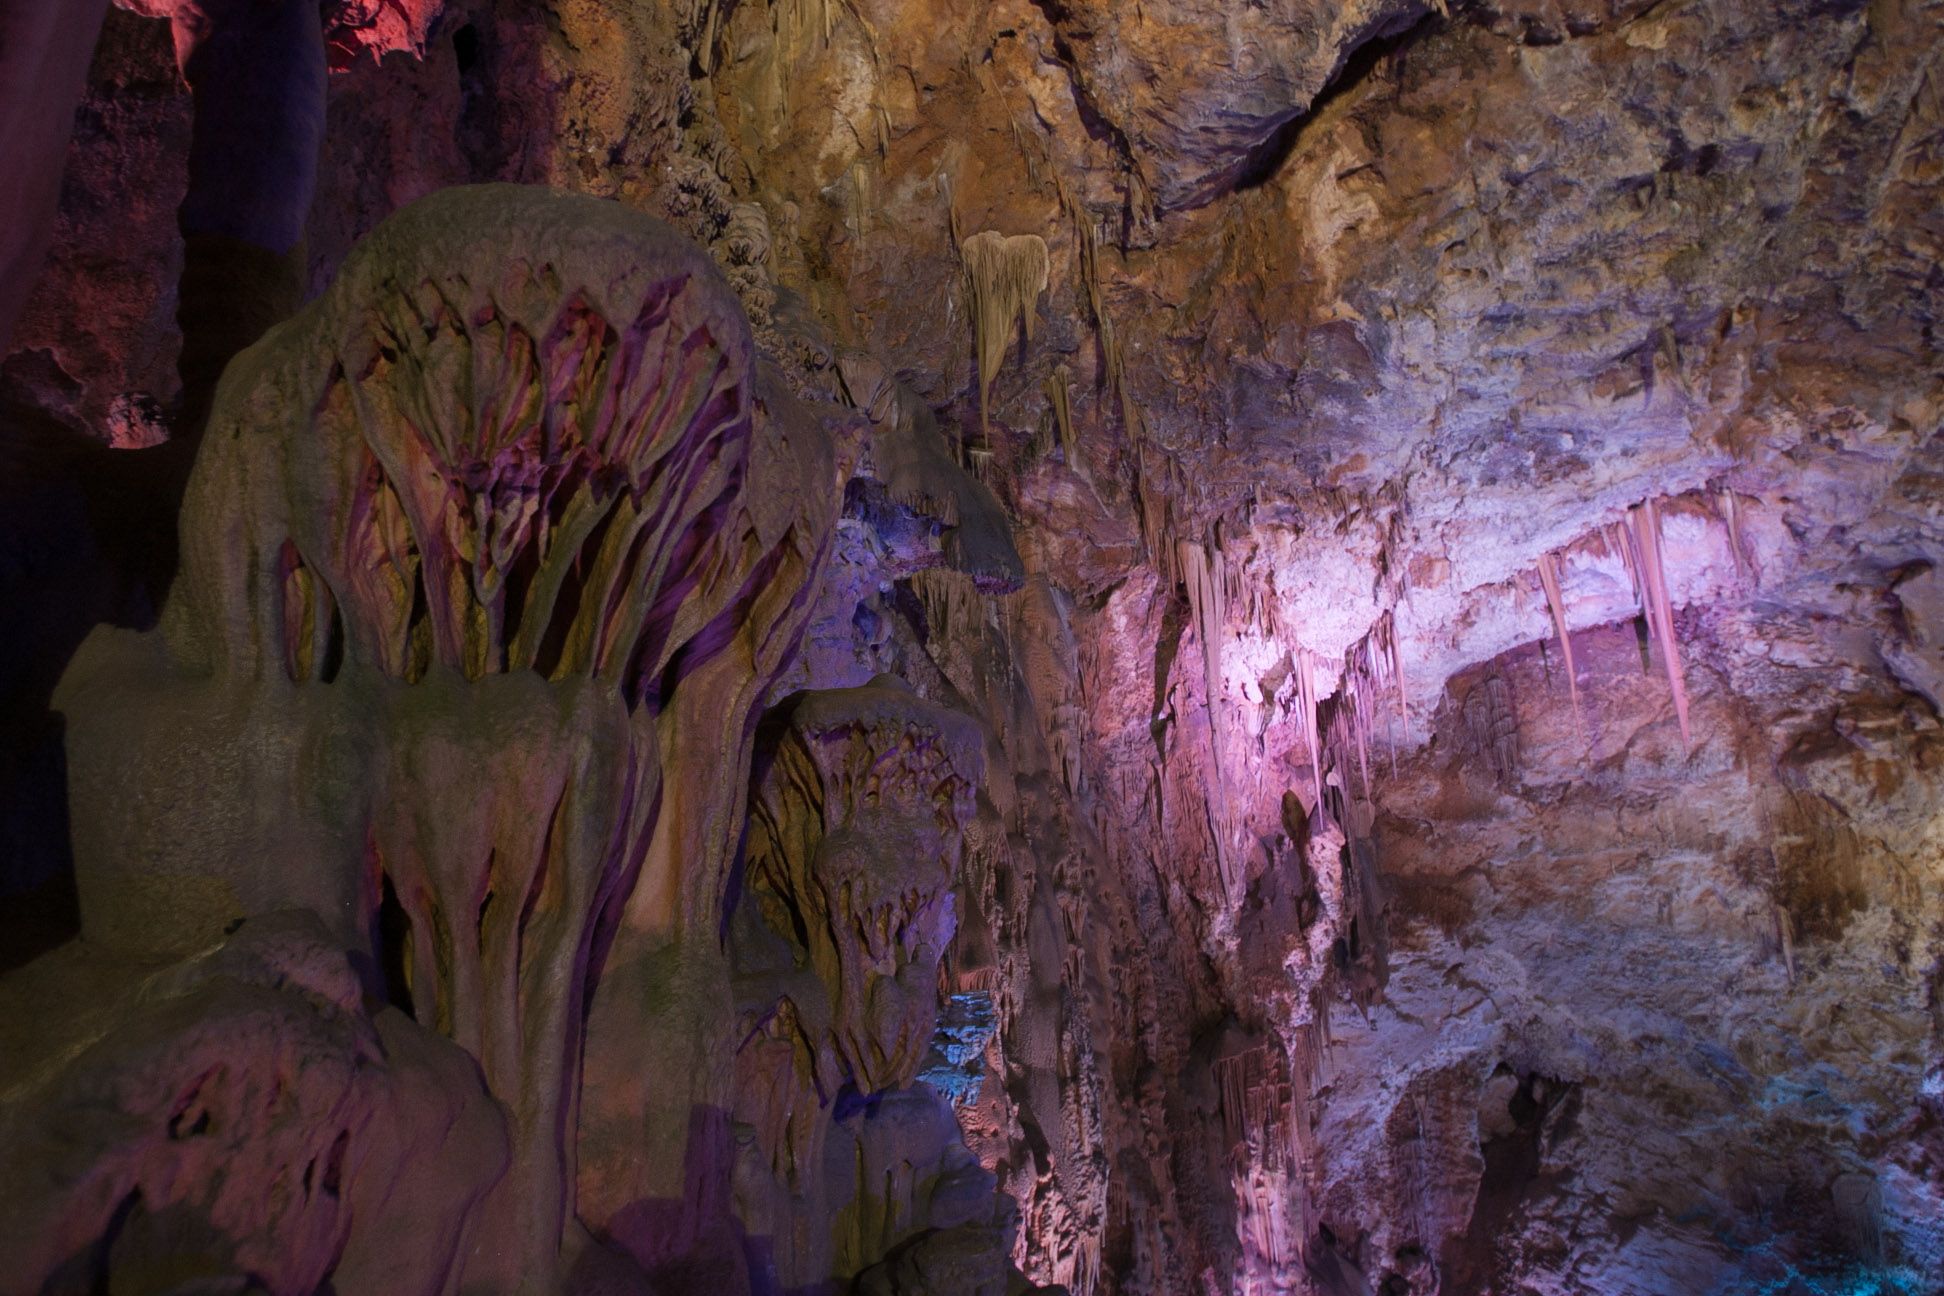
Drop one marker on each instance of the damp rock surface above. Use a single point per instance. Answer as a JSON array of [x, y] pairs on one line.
[[1200, 648]]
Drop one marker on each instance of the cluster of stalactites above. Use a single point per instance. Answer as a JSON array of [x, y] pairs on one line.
[[1638, 542], [1371, 669], [885, 759], [1267, 1095], [1203, 571], [1004, 277], [853, 844], [954, 607], [1059, 400]]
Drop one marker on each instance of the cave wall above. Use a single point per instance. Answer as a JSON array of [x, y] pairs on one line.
[[1352, 911]]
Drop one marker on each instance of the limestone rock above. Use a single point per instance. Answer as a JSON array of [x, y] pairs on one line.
[[1391, 361], [239, 1117]]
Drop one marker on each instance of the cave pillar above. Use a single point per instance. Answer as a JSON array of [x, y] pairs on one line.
[[44, 52], [653, 1155], [460, 540], [257, 71]]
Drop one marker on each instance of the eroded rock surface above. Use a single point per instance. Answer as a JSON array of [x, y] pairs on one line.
[[239, 1118], [1434, 551]]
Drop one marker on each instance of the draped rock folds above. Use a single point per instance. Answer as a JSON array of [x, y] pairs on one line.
[[854, 843], [508, 458], [469, 545], [234, 1117]]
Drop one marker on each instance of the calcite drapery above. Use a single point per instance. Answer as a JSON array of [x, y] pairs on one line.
[[458, 538], [236, 1118], [853, 847], [845, 909], [1535, 262]]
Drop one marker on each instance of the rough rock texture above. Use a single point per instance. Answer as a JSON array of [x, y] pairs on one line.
[[237, 1118], [1391, 361], [1734, 1092], [97, 350], [1194, 96], [43, 55]]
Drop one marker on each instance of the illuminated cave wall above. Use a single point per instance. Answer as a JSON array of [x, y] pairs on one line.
[[1171, 648]]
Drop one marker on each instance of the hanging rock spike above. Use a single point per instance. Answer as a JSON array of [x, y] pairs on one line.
[[1004, 278], [1549, 580]]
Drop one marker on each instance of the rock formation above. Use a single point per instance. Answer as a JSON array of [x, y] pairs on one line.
[[932, 647]]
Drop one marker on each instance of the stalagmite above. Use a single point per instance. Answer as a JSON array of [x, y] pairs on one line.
[[448, 530], [1004, 278]]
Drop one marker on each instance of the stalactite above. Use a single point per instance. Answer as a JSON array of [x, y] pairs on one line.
[[705, 55], [1361, 727], [1157, 514], [1421, 1176], [863, 207], [1203, 573], [1640, 545], [1086, 1265], [1306, 702], [1031, 151], [794, 10], [1729, 504], [1086, 237], [951, 211], [983, 980], [1265, 1100], [1370, 669], [1785, 940], [1549, 580], [1004, 278], [1232, 1082], [952, 602], [1386, 632], [1389, 628], [1059, 397]]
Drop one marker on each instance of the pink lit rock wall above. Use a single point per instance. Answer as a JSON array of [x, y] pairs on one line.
[[1432, 624]]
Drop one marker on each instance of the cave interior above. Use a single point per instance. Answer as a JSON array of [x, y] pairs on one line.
[[971, 647]]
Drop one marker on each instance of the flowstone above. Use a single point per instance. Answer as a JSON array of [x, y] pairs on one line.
[[470, 545]]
